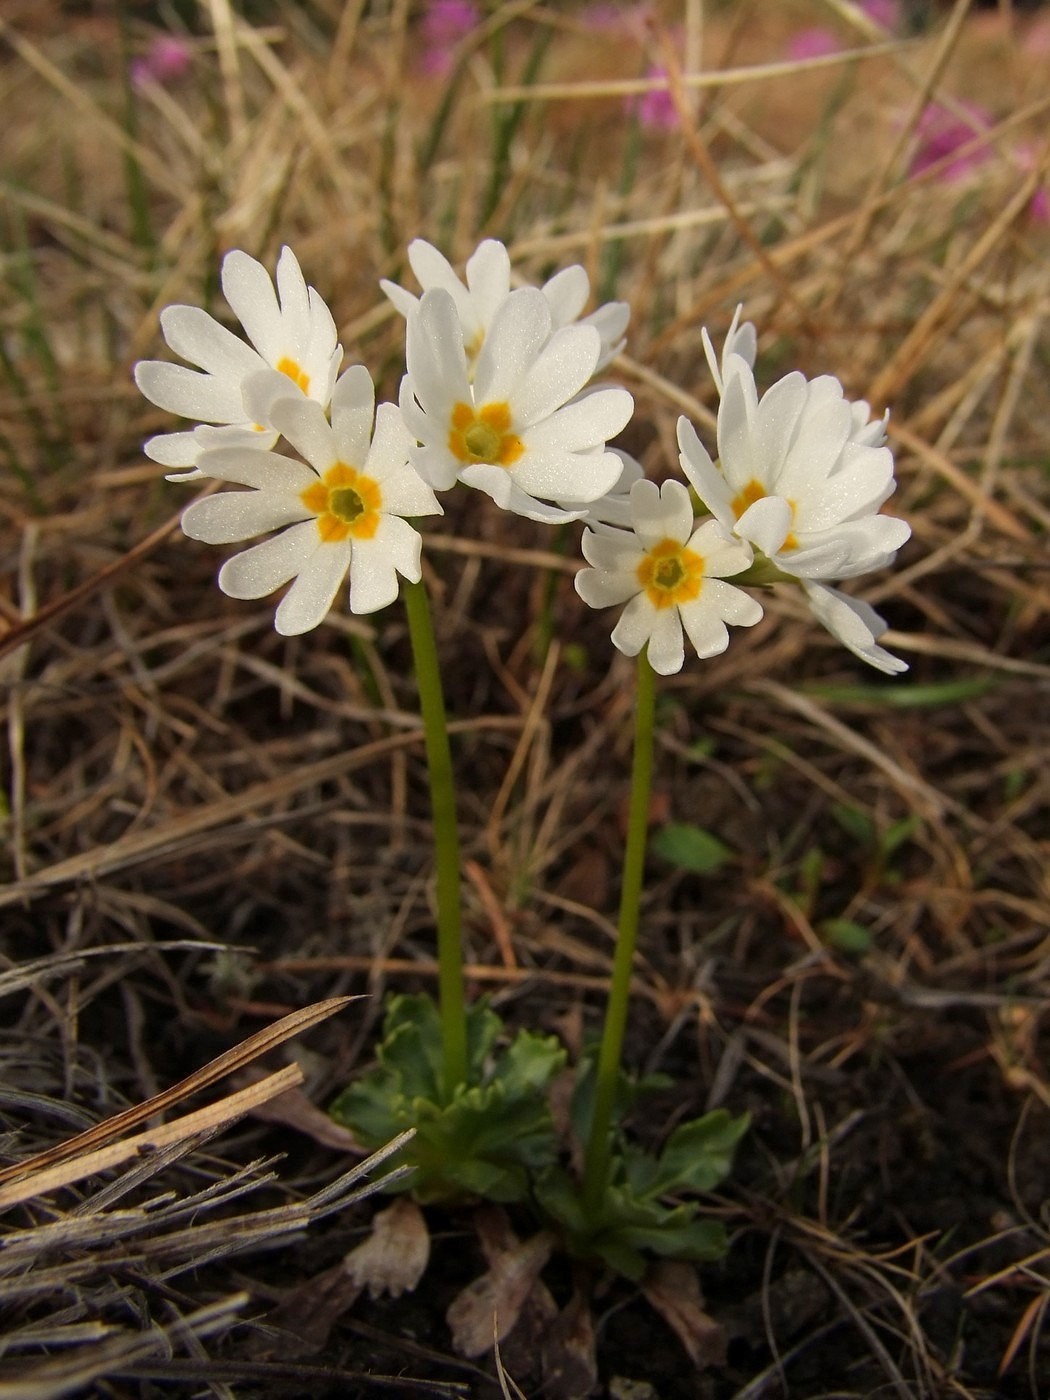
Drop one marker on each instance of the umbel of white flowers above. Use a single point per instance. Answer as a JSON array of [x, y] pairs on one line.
[[498, 395]]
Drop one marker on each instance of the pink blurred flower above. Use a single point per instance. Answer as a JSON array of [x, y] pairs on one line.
[[941, 134], [1039, 209], [445, 23], [1036, 37], [167, 59], [630, 20], [655, 110], [813, 43], [884, 12]]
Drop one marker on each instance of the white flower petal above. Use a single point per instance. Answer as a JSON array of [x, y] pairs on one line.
[[353, 409], [702, 474], [189, 393], [406, 493], [253, 466], [736, 458], [499, 484], [518, 333], [857, 487], [560, 371], [433, 270], [779, 411], [666, 651], [238, 515], [579, 477], [256, 572], [307, 428], [610, 321], [659, 513], [173, 449], [437, 466], [308, 601], [821, 437], [600, 589], [589, 421], [704, 626], [635, 626], [436, 362], [375, 564], [855, 624], [294, 297], [488, 278], [247, 287], [613, 551], [723, 555], [403, 301], [567, 292], [766, 524], [199, 338]]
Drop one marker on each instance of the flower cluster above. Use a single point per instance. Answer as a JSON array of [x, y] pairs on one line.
[[793, 498], [499, 395]]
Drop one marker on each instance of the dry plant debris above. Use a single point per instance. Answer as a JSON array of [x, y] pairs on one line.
[[208, 827]]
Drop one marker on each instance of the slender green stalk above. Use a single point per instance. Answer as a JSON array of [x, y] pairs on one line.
[[599, 1144], [451, 995]]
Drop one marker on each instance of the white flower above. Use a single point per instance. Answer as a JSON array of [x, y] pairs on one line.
[[855, 624], [294, 335], [343, 511], [741, 346], [670, 575], [801, 476], [613, 510], [518, 432], [487, 288]]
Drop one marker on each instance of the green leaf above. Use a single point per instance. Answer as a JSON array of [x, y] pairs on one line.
[[698, 1155], [898, 833], [628, 1226], [496, 1129], [854, 823], [691, 848], [845, 935]]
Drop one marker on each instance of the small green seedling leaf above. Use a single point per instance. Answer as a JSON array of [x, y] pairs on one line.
[[845, 935], [691, 848]]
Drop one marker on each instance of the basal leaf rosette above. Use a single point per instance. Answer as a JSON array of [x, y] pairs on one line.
[[290, 330], [521, 431], [649, 1205], [341, 511], [495, 1132]]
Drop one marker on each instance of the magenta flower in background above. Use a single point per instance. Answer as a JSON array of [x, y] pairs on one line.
[[630, 20], [813, 43], [445, 23], [655, 110], [884, 12], [941, 134], [167, 59]]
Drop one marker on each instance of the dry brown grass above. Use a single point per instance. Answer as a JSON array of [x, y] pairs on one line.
[[210, 827]]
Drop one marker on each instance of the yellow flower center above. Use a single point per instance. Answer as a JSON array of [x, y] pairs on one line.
[[755, 491], [483, 435], [671, 574], [294, 372], [346, 503]]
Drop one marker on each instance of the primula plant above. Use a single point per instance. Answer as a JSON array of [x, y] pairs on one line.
[[499, 395]]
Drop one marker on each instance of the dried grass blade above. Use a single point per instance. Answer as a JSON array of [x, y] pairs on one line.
[[226, 1063], [204, 1121]]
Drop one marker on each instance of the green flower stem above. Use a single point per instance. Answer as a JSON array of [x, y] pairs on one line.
[[451, 995], [599, 1142]]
